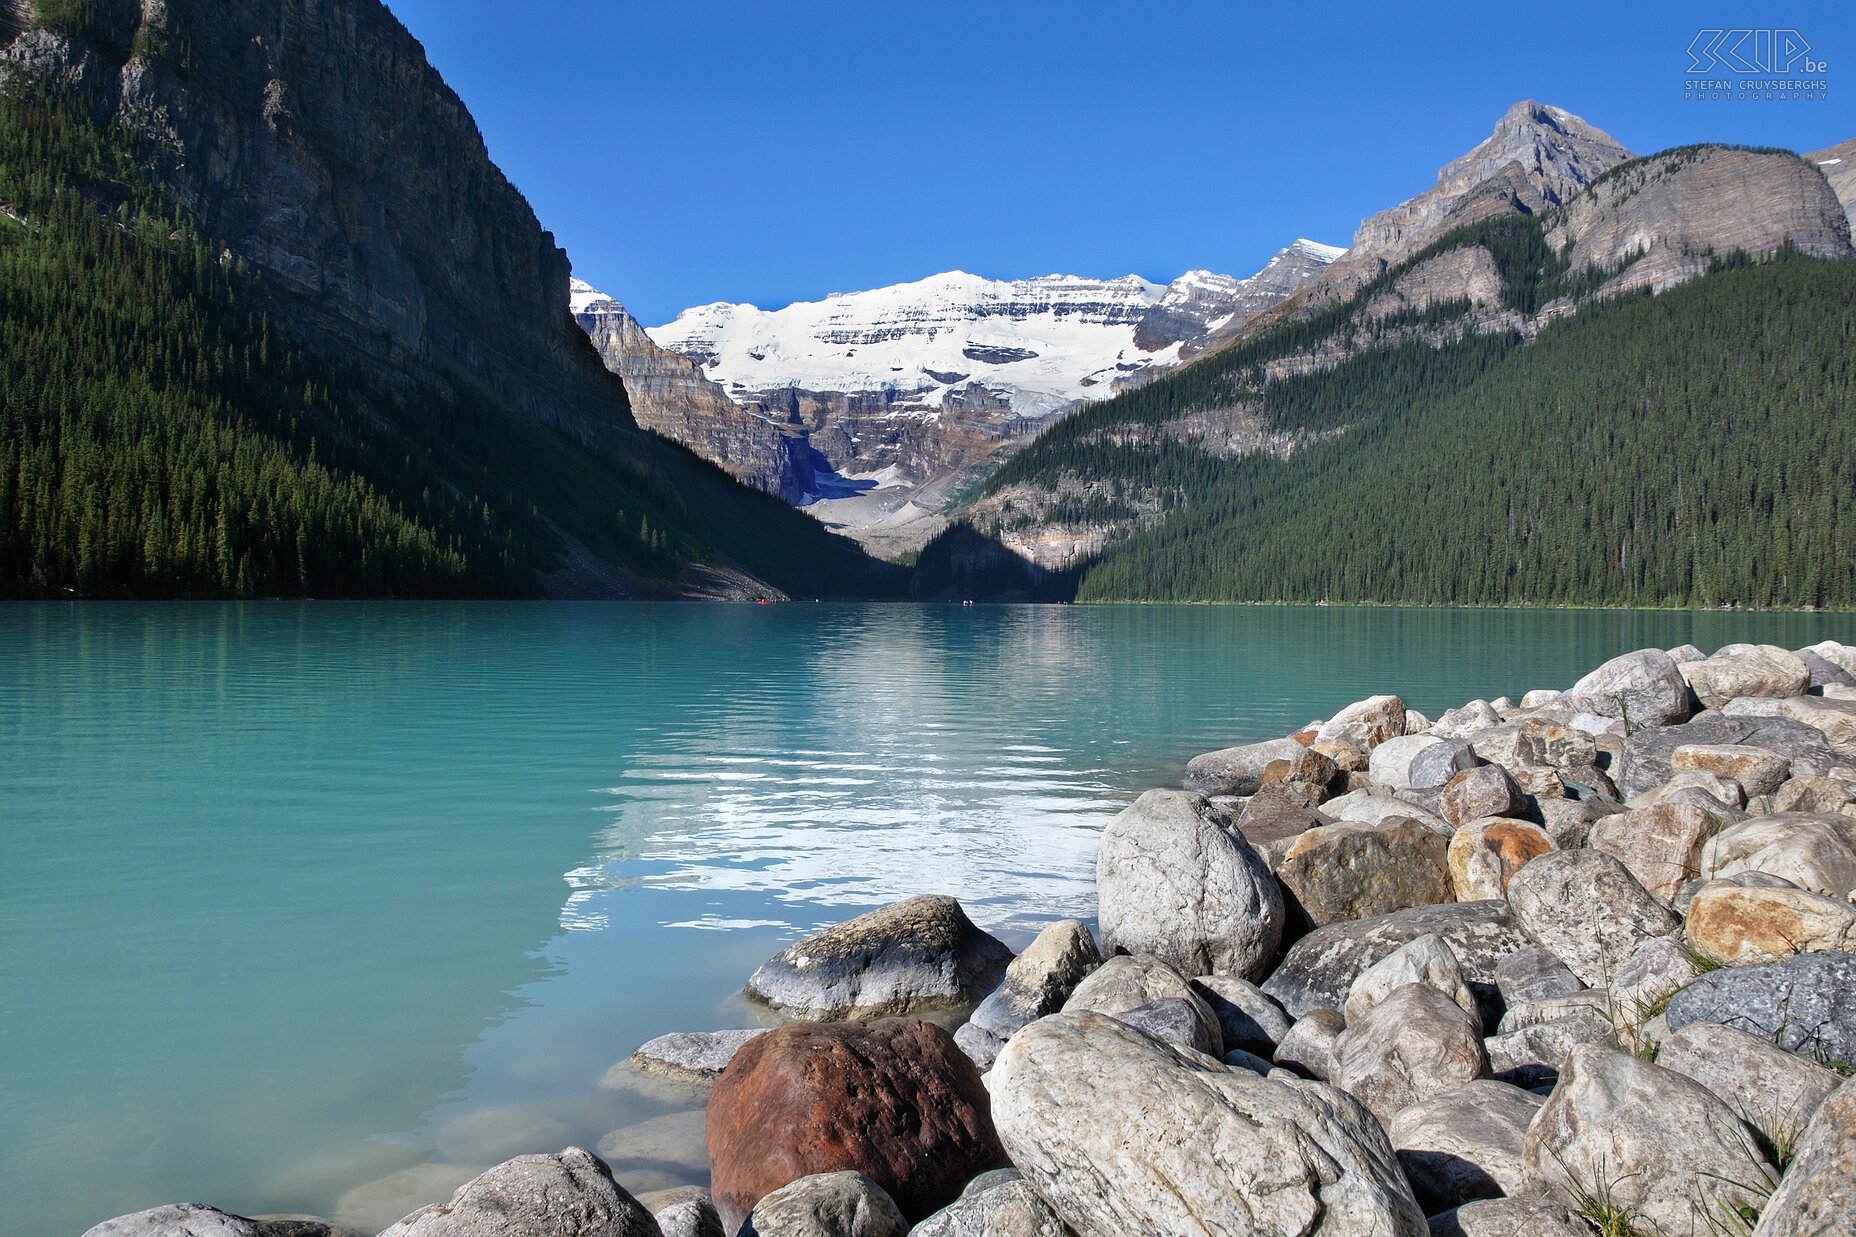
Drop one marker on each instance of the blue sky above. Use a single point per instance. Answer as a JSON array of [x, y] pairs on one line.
[[778, 150]]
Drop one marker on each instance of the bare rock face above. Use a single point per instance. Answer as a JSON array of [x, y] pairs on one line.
[[1248, 1017], [1365, 724], [1657, 1142], [571, 1194], [1838, 164], [1817, 1197], [695, 1057], [1648, 755], [894, 1100], [1478, 793], [1465, 1144], [1239, 770], [670, 395], [918, 955], [1415, 1043], [1683, 205], [1588, 909], [1082, 1101], [1311, 1043], [1176, 882]]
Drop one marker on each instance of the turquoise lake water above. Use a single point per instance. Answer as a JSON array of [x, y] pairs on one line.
[[322, 908]]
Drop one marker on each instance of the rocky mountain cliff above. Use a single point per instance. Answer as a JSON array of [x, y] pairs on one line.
[[1838, 163], [670, 396], [311, 141]]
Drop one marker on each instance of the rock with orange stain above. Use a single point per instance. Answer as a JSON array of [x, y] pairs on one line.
[[1484, 854], [1739, 926]]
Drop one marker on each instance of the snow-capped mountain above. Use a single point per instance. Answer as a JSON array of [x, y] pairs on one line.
[[1041, 344]]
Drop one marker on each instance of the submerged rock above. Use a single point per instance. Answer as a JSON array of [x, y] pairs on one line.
[[691, 1056], [919, 955]]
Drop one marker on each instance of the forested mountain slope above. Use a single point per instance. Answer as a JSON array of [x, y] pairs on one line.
[[275, 325], [1506, 417]]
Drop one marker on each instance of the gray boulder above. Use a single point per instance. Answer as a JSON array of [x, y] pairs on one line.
[[1417, 1042], [1774, 1091], [1746, 670], [1588, 909], [691, 1056], [1131, 982], [1177, 1021], [684, 1211], [199, 1220], [1365, 724], [1824, 673], [1319, 970], [1174, 882], [1419, 762], [919, 955], [1037, 982], [1249, 1018], [1352, 871], [1842, 655], [1658, 1143], [1817, 1197], [1309, 1047], [1082, 1102], [996, 1204], [1465, 1144], [1836, 719], [570, 1194], [844, 1204], [1534, 974], [1510, 1217], [1428, 960], [1239, 770], [1647, 757], [1804, 1004], [1644, 688]]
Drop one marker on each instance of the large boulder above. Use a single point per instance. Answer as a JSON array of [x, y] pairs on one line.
[[1660, 845], [1657, 1143], [1510, 1217], [1840, 655], [1757, 770], [1774, 1091], [1803, 1004], [1174, 881], [1588, 909], [1545, 743], [1129, 982], [1817, 1197], [1647, 758], [919, 955], [1814, 852], [1484, 855], [1175, 1020], [1417, 1042], [894, 1099], [569, 1194], [1037, 982], [1350, 871], [995, 1204], [1464, 1144], [199, 1220], [1534, 974], [1319, 969], [1280, 811], [1248, 1017], [1082, 1103], [1418, 761], [1644, 688], [1740, 926], [1478, 793], [844, 1204], [1835, 718], [1428, 960], [1365, 724], [1746, 670], [1239, 770], [1310, 1046]]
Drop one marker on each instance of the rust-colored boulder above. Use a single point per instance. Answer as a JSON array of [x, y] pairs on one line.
[[894, 1099]]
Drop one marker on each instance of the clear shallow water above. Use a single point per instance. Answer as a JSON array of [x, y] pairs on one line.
[[321, 908]]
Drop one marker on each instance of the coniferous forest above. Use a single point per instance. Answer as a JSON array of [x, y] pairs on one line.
[[162, 436], [1692, 448]]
